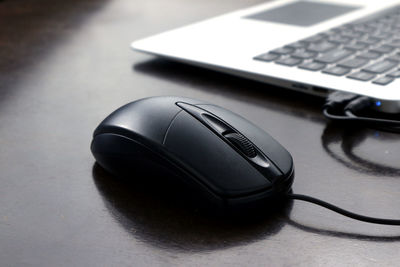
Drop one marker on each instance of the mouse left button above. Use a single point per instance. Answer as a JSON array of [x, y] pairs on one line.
[[148, 118]]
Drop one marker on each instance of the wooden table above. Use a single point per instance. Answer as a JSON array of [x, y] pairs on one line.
[[65, 65]]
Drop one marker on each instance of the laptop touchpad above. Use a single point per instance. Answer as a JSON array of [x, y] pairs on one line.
[[304, 13]]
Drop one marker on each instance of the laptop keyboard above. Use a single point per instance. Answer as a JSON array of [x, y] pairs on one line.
[[367, 51]]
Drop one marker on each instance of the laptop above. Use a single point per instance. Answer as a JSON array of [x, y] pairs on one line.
[[309, 46]]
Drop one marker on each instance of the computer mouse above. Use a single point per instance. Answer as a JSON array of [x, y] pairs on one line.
[[218, 155]]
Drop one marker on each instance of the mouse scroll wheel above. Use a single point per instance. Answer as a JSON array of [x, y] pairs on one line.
[[242, 143]]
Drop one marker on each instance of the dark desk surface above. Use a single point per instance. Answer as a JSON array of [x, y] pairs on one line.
[[65, 65]]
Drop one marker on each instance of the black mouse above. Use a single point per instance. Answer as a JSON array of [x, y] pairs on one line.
[[217, 154]]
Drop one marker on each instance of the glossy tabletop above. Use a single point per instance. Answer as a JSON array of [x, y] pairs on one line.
[[65, 65]]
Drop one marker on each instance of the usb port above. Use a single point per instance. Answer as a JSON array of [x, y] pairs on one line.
[[319, 90]]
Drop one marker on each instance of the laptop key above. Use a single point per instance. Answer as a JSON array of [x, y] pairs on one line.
[[297, 45], [371, 55], [382, 35], [354, 63], [381, 66], [394, 74], [283, 50], [361, 76], [395, 57], [395, 43], [334, 56], [304, 54], [383, 49], [340, 29], [321, 47], [339, 39], [289, 61], [314, 38], [352, 34], [356, 46], [267, 57], [314, 66], [374, 24], [364, 28], [383, 80], [371, 41], [337, 70]]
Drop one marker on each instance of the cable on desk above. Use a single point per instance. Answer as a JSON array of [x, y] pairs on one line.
[[345, 107], [343, 211]]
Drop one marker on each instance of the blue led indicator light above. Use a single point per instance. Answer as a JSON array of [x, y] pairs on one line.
[[378, 103]]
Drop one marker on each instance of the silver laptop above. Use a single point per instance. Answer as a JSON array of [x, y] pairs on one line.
[[309, 46]]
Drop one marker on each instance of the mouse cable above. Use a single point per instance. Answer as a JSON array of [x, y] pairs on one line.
[[343, 211], [341, 106]]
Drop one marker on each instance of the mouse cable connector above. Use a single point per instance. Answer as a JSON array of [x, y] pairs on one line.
[[341, 106], [343, 211]]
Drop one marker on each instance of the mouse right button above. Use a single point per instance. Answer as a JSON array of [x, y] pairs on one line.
[[209, 158], [275, 152]]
